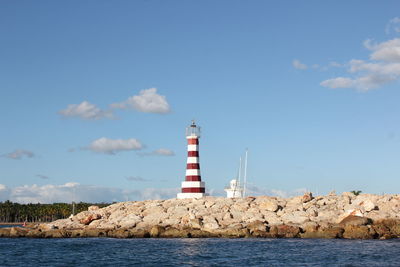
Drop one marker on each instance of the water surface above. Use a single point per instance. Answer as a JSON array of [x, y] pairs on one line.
[[198, 252]]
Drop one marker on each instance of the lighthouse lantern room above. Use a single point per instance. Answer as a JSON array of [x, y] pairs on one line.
[[192, 187]]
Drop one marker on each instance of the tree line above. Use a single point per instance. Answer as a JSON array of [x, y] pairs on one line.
[[11, 212]]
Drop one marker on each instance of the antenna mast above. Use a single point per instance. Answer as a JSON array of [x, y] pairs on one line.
[[240, 170], [245, 175]]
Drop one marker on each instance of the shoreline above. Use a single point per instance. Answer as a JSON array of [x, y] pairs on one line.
[[348, 216]]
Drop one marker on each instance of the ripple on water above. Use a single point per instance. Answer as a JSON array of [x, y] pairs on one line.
[[198, 252]]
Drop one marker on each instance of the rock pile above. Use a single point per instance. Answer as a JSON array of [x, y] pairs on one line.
[[333, 216]]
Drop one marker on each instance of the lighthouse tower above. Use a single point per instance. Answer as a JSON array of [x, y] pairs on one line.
[[192, 187]]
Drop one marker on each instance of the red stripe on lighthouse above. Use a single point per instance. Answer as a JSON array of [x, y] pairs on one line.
[[193, 166], [193, 190], [193, 141], [193, 153], [193, 178]]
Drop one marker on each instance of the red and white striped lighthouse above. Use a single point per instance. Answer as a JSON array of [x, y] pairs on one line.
[[192, 187]]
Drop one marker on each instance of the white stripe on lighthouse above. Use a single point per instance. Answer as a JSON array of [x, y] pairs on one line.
[[193, 148], [190, 195], [187, 184], [192, 160], [192, 172]]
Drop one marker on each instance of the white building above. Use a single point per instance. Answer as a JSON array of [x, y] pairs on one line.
[[235, 190]]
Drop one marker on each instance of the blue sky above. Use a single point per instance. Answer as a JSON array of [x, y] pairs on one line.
[[96, 95]]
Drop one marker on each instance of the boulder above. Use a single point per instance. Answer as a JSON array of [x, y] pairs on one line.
[[195, 223], [91, 232], [269, 205], [88, 219], [368, 205], [5, 232], [76, 232], [35, 233], [352, 220], [297, 217], [272, 218], [172, 232], [210, 223], [235, 232], [358, 232], [55, 233], [256, 226], [330, 232], [18, 232], [307, 197], [391, 224], [119, 233], [156, 231], [93, 208], [284, 231]]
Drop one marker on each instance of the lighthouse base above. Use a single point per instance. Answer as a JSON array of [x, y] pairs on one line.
[[190, 195]]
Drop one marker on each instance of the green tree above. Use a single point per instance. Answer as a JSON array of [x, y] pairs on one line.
[[356, 192]]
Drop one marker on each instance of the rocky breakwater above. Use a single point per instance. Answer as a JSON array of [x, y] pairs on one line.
[[364, 216]]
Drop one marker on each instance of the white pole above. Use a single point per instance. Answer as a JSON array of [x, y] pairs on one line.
[[245, 175], [240, 172]]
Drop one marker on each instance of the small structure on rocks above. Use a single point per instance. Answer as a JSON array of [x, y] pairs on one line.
[[234, 190]]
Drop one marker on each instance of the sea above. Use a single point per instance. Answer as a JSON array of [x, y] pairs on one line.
[[198, 252]]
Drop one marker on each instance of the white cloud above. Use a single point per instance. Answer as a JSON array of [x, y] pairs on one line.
[[335, 64], [86, 111], [4, 192], [147, 101], [72, 191], [383, 67], [339, 82], [75, 192], [393, 25], [136, 179], [164, 152], [252, 190], [112, 146], [153, 193], [19, 154], [298, 65], [388, 51]]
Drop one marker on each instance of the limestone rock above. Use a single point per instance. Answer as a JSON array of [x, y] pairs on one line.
[[257, 226], [18, 232], [352, 220], [297, 217], [87, 220], [329, 232], [4, 232], [210, 223], [269, 205], [195, 223], [307, 197], [358, 232], [93, 208], [284, 231], [368, 205], [156, 231], [272, 218]]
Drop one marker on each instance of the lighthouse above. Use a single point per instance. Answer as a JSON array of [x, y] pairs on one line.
[[192, 187]]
